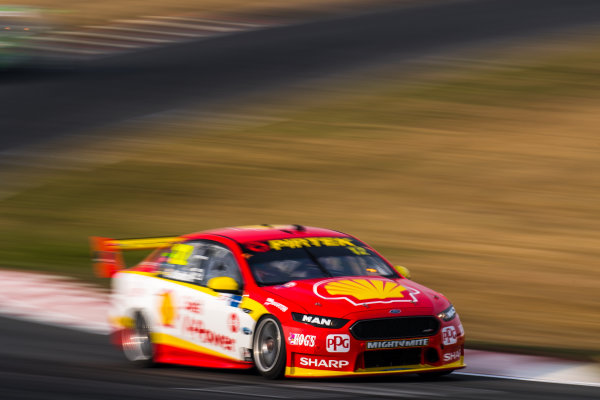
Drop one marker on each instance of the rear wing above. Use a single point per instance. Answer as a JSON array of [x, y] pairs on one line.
[[107, 253]]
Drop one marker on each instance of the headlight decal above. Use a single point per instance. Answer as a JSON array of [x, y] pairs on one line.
[[448, 314]]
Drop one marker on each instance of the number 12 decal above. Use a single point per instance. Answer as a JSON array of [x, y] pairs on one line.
[[358, 250], [180, 254]]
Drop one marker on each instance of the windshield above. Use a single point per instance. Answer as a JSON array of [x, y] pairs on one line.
[[275, 262]]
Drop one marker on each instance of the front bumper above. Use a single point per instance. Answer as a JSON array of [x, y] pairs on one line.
[[338, 353]]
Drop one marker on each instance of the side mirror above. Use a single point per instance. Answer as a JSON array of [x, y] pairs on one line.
[[223, 284], [402, 271]]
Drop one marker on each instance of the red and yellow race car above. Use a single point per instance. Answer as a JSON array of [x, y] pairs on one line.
[[290, 300]]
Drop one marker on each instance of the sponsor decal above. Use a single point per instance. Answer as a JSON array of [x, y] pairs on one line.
[[233, 300], [234, 323], [397, 344], [271, 302], [360, 291], [290, 284], [319, 321], [316, 320], [453, 356], [108, 257], [246, 331], [166, 309], [323, 363], [195, 328], [299, 339], [195, 307], [180, 253], [298, 243], [141, 244], [338, 343], [449, 335], [257, 247]]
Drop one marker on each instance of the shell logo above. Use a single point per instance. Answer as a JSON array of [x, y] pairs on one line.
[[166, 309], [365, 291]]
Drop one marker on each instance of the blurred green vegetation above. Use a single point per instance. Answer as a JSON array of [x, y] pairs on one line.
[[481, 176], [77, 13]]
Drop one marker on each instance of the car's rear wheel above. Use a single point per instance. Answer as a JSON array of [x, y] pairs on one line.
[[268, 348], [137, 343]]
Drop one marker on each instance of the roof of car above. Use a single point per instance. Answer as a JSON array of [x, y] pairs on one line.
[[266, 232]]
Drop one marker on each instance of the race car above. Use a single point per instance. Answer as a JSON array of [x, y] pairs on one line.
[[289, 300]]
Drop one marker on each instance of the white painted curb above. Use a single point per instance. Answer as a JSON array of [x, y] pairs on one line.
[[530, 368], [54, 300]]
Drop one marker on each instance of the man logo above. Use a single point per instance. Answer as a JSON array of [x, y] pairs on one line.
[[338, 343], [311, 319]]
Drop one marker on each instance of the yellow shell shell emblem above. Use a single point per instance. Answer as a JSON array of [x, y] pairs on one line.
[[167, 309], [363, 289]]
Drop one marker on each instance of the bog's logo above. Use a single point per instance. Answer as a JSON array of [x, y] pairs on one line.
[[338, 343], [449, 335], [300, 339], [365, 291]]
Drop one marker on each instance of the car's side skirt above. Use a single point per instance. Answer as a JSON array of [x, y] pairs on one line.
[[176, 355]]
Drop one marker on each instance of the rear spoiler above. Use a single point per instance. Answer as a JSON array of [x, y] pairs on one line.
[[107, 253]]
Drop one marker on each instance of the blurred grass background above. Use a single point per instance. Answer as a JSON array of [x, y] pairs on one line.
[[77, 12], [480, 174]]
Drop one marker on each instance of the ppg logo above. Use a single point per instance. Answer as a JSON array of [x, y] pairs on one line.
[[449, 335], [338, 343]]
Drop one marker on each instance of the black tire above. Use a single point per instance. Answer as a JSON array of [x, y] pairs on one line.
[[268, 348], [136, 343]]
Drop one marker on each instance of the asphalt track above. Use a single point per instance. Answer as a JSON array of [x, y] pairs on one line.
[[38, 105], [45, 362]]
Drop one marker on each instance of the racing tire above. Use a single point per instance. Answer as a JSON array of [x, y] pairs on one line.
[[268, 348], [136, 343]]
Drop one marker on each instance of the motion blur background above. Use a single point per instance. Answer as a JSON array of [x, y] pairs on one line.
[[477, 167]]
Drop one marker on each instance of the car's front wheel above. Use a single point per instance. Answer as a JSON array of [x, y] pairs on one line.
[[268, 348], [137, 344]]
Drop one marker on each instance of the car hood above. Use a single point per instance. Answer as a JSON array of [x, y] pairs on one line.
[[377, 296]]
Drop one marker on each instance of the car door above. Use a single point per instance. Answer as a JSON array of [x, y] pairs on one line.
[[193, 315], [226, 317], [176, 299]]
